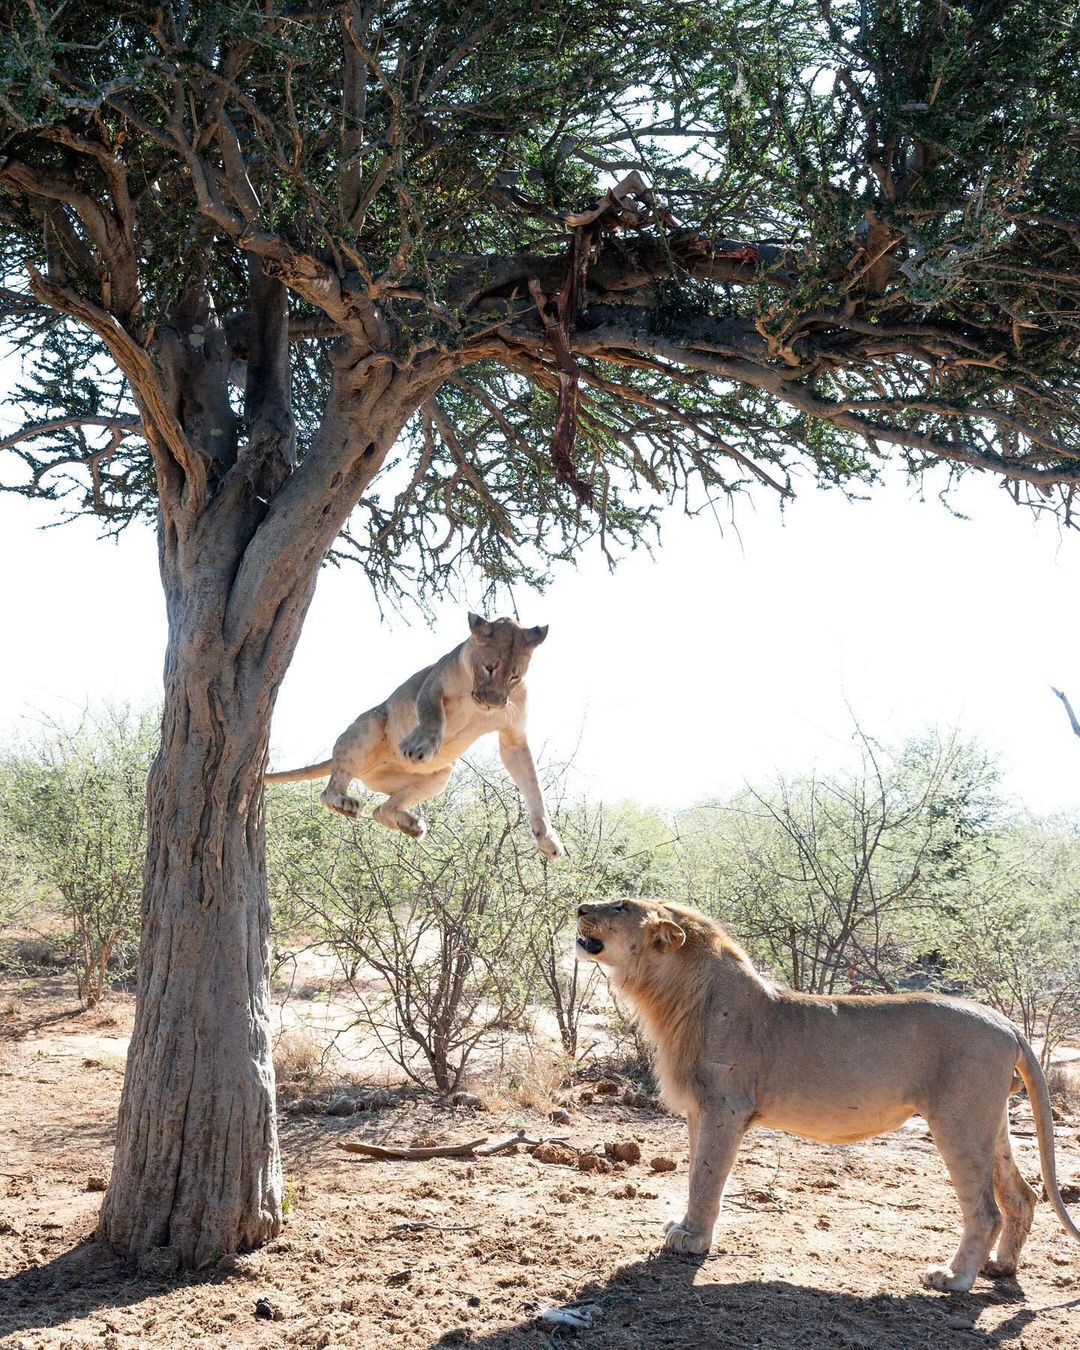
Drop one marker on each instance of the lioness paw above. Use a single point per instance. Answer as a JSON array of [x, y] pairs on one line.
[[420, 746], [942, 1278], [549, 843], [346, 806], [678, 1237]]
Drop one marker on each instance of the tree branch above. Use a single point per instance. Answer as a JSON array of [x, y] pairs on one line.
[[169, 445], [1068, 710], [611, 340], [128, 425]]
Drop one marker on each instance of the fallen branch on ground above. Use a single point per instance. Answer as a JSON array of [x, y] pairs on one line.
[[474, 1148]]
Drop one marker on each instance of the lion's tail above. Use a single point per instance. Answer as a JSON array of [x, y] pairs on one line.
[[1030, 1071], [319, 770]]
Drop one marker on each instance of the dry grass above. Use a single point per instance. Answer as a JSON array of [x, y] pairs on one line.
[[532, 1080], [1064, 1084], [296, 1055]]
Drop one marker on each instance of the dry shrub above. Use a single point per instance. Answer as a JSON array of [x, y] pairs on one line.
[[533, 1080], [1063, 1080], [296, 1055]]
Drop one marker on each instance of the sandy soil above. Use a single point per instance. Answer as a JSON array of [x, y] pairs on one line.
[[819, 1247]]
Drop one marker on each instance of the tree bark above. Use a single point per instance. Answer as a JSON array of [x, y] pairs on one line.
[[197, 1169]]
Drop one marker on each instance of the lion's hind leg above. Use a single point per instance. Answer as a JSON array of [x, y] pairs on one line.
[[1017, 1201], [966, 1143], [335, 795], [352, 751], [392, 814]]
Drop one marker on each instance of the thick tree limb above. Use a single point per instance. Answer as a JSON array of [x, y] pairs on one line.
[[614, 341]]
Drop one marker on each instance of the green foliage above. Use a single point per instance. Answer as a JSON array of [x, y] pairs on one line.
[[840, 881], [428, 935], [74, 806], [907, 170], [1013, 939], [19, 889]]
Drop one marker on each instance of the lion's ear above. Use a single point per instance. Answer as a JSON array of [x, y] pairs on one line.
[[479, 627], [665, 934], [534, 636]]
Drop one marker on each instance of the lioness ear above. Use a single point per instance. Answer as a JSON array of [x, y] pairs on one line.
[[665, 935], [478, 626], [534, 636]]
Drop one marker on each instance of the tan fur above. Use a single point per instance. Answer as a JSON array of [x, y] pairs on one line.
[[407, 745], [735, 1051]]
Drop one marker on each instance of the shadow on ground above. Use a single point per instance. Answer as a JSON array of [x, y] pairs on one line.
[[87, 1278], [679, 1302]]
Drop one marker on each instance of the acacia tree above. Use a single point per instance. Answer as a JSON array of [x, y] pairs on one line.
[[311, 279]]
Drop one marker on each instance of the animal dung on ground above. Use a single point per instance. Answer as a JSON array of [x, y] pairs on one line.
[[592, 1162], [623, 1151], [661, 1163], [556, 1153]]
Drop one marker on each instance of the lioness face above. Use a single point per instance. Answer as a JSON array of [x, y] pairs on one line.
[[619, 933], [501, 651]]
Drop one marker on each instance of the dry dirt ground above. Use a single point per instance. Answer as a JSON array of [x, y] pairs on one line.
[[818, 1247]]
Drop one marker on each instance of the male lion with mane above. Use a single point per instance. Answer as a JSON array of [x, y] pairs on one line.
[[733, 1051]]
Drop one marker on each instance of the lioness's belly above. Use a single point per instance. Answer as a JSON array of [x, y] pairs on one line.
[[465, 724]]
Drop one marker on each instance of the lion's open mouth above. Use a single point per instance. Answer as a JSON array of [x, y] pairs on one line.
[[591, 945]]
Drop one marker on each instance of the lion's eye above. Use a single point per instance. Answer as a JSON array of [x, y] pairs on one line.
[[514, 679]]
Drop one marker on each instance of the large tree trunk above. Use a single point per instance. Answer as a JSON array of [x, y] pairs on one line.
[[197, 1170], [197, 1167]]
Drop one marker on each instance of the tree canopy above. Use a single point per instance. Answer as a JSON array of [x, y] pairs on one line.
[[852, 234]]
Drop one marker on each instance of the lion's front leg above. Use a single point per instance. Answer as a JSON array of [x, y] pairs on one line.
[[423, 743], [715, 1136], [517, 757]]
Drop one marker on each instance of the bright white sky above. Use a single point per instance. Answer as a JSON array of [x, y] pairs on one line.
[[731, 655]]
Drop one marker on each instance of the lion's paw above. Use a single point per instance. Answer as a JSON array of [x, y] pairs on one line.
[[345, 806], [997, 1270], [679, 1237], [420, 746], [411, 825], [943, 1279], [549, 843]]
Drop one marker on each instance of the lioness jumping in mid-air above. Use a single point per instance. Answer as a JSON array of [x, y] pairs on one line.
[[735, 1051], [407, 745]]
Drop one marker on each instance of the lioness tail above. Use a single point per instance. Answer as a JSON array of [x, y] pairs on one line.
[[1030, 1071], [319, 770]]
